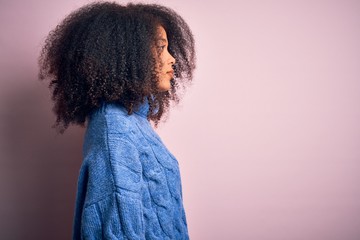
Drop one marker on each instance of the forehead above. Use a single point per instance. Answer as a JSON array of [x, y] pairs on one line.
[[161, 33]]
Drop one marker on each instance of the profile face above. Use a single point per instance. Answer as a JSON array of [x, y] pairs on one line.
[[165, 61]]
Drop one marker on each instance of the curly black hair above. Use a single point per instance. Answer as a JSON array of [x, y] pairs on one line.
[[102, 52]]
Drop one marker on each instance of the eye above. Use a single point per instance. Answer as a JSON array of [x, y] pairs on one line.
[[162, 47]]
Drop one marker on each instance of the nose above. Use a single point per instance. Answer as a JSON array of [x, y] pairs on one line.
[[172, 60]]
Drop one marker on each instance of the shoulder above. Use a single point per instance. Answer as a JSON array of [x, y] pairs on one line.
[[111, 147], [111, 118], [103, 124]]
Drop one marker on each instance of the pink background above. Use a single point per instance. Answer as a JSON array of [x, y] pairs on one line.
[[267, 138]]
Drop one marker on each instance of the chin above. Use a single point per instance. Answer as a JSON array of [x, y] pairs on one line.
[[164, 86], [164, 89]]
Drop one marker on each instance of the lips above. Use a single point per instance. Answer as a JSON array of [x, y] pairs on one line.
[[170, 73]]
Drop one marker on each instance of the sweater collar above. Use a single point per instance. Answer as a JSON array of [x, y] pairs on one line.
[[143, 109]]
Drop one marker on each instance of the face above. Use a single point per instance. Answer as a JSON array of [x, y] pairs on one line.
[[165, 61]]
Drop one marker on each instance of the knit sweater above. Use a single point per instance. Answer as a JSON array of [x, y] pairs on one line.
[[129, 185]]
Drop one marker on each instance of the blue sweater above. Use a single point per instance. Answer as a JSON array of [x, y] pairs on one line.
[[129, 185]]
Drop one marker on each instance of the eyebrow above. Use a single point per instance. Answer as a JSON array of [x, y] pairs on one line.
[[162, 39]]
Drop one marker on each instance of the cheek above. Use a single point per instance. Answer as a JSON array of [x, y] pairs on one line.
[[162, 59], [160, 62]]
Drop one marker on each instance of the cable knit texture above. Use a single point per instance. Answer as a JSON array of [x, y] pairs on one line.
[[129, 185]]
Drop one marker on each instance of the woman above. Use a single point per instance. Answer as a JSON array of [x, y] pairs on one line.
[[116, 69]]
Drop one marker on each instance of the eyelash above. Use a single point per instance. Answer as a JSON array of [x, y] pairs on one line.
[[162, 47]]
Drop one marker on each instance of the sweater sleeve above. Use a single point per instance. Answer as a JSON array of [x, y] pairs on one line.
[[119, 215]]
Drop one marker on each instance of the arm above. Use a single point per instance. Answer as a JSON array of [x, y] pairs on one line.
[[118, 215]]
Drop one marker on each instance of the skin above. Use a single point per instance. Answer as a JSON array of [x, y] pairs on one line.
[[165, 61]]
